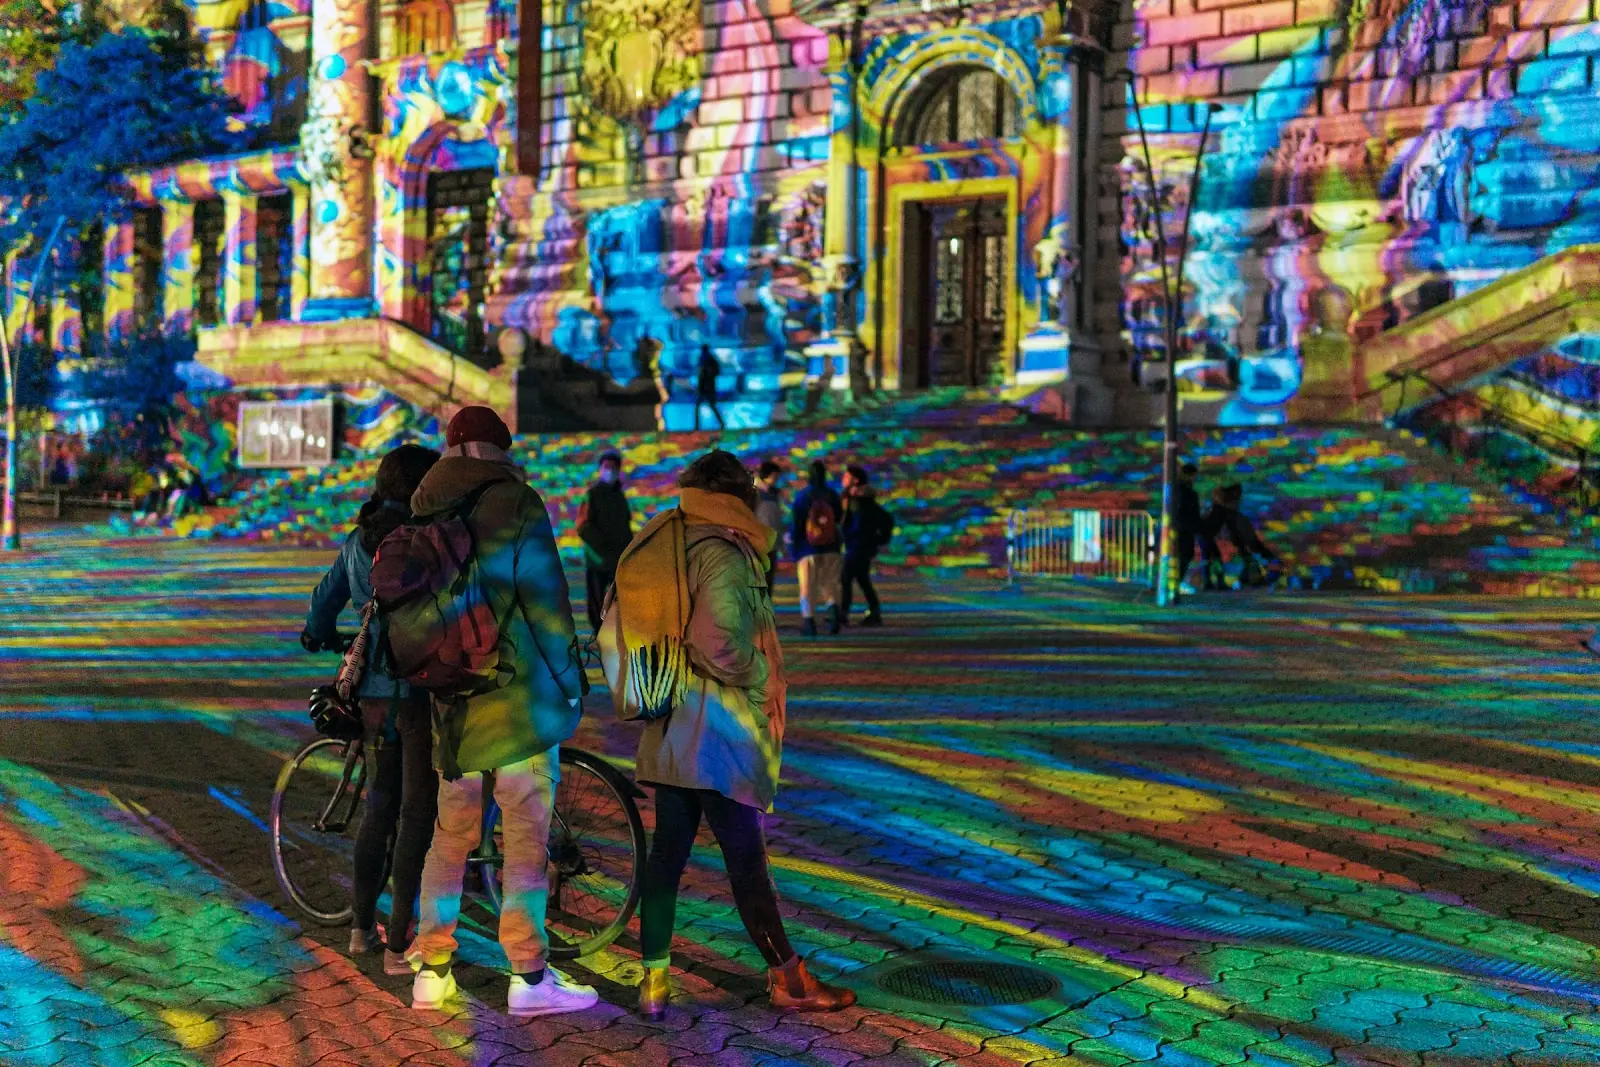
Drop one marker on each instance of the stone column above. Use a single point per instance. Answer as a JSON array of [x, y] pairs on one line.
[[300, 255], [337, 161], [178, 265], [842, 237], [240, 295], [118, 275], [66, 324], [1054, 349], [840, 349]]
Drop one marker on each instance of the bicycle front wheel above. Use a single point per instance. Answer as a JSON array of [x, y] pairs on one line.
[[597, 851], [316, 812]]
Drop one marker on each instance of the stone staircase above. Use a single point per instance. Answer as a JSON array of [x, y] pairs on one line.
[[1522, 547], [1347, 507], [353, 352]]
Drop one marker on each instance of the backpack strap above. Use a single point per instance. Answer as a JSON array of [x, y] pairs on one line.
[[470, 502]]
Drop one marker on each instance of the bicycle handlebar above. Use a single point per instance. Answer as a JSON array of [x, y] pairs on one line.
[[340, 644]]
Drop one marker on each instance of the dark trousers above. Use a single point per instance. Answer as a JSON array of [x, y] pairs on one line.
[[710, 402], [595, 582], [1185, 552], [402, 791], [772, 572], [858, 571], [744, 852]]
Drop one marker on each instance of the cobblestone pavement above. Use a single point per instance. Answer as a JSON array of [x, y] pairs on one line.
[[1268, 830]]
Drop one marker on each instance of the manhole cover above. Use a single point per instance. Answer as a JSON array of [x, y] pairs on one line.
[[978, 983]]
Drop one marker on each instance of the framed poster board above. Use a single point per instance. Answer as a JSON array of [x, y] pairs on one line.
[[286, 434]]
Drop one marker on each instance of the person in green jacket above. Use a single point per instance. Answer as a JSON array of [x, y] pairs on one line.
[[510, 734]]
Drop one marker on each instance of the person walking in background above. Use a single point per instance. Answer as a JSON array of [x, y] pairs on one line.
[[508, 734], [605, 526], [396, 721], [647, 360], [867, 529], [1186, 520], [1225, 515], [814, 542], [769, 509], [713, 743], [706, 393]]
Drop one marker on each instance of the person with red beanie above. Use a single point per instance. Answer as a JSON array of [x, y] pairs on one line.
[[508, 735], [477, 424]]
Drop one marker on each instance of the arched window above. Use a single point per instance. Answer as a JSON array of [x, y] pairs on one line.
[[425, 26], [960, 104]]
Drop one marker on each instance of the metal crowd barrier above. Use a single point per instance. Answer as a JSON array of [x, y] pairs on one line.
[[1118, 546]]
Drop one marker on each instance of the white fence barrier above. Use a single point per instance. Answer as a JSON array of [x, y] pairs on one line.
[[1115, 545]]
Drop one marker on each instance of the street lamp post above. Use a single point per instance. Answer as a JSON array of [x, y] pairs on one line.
[[1172, 305]]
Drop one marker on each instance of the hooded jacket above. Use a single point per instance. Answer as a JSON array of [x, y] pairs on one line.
[[607, 526], [349, 581], [523, 580], [727, 732], [867, 527], [798, 545]]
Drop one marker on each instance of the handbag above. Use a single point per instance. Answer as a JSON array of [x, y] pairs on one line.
[[354, 668]]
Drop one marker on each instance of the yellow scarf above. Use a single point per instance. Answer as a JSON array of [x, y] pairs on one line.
[[653, 596]]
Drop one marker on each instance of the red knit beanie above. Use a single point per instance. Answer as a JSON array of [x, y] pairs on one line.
[[477, 424]]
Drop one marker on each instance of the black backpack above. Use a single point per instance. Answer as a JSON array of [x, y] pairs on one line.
[[882, 525]]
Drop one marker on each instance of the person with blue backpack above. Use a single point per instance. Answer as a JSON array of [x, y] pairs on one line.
[[478, 613], [396, 720]]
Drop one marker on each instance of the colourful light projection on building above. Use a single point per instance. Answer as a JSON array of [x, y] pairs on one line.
[[1371, 161], [737, 178], [894, 199]]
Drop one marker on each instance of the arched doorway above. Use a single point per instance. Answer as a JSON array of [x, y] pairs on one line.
[[959, 104], [458, 208], [957, 274]]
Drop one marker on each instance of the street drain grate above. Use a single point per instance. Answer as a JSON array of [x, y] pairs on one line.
[[976, 983]]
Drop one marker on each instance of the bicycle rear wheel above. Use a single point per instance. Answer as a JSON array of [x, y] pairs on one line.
[[597, 852], [316, 811]]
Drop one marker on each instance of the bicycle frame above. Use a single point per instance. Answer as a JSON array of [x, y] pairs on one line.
[[353, 763]]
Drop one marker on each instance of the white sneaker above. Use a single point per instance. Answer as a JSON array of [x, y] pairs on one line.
[[555, 995], [429, 990]]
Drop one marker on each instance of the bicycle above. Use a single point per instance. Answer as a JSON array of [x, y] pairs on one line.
[[596, 846]]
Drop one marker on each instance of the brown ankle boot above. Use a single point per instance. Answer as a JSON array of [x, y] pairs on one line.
[[654, 992], [792, 988]]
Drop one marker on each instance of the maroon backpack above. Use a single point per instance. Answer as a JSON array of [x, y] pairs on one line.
[[441, 631], [822, 527]]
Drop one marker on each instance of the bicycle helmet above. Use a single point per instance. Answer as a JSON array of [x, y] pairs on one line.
[[332, 716]]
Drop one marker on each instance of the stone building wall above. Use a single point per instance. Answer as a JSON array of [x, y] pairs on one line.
[[679, 190], [1370, 159]]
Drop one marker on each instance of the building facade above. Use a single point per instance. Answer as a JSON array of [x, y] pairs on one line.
[[1394, 202], [562, 207]]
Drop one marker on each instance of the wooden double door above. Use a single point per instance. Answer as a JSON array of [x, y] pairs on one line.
[[458, 259], [954, 313]]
